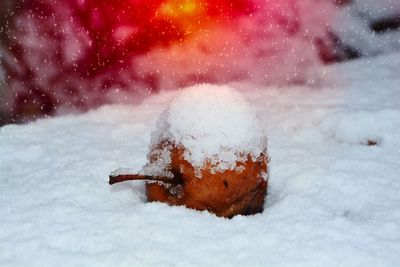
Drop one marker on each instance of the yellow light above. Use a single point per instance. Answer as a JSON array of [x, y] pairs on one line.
[[188, 14], [188, 7], [185, 8]]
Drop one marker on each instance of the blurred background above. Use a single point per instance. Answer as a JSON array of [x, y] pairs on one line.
[[68, 56]]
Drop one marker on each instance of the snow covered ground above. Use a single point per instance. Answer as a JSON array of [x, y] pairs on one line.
[[333, 196], [354, 26]]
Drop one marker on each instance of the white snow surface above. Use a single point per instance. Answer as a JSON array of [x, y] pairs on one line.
[[332, 199], [352, 24], [212, 123]]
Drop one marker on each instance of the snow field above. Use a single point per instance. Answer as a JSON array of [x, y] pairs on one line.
[[333, 200]]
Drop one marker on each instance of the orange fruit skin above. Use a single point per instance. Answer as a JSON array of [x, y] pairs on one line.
[[226, 194]]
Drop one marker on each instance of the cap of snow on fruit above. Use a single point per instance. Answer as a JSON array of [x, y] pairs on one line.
[[215, 124], [208, 152]]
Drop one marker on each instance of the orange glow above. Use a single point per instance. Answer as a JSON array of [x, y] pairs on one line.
[[189, 14], [176, 8]]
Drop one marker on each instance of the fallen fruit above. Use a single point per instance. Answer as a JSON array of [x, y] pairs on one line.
[[208, 153], [228, 193]]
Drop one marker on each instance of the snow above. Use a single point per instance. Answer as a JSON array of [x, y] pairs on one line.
[[378, 10], [213, 124], [333, 200], [353, 26]]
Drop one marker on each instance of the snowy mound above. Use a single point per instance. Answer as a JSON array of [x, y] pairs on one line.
[[213, 123]]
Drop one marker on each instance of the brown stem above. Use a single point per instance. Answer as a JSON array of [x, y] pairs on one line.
[[127, 177]]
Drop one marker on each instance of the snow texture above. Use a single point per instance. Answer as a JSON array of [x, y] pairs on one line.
[[333, 196], [213, 124], [353, 26]]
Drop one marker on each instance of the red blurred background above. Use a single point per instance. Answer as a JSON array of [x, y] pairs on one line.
[[73, 55]]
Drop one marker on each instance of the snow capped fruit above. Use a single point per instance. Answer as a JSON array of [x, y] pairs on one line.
[[207, 153]]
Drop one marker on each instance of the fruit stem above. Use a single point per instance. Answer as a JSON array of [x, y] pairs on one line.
[[129, 177]]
